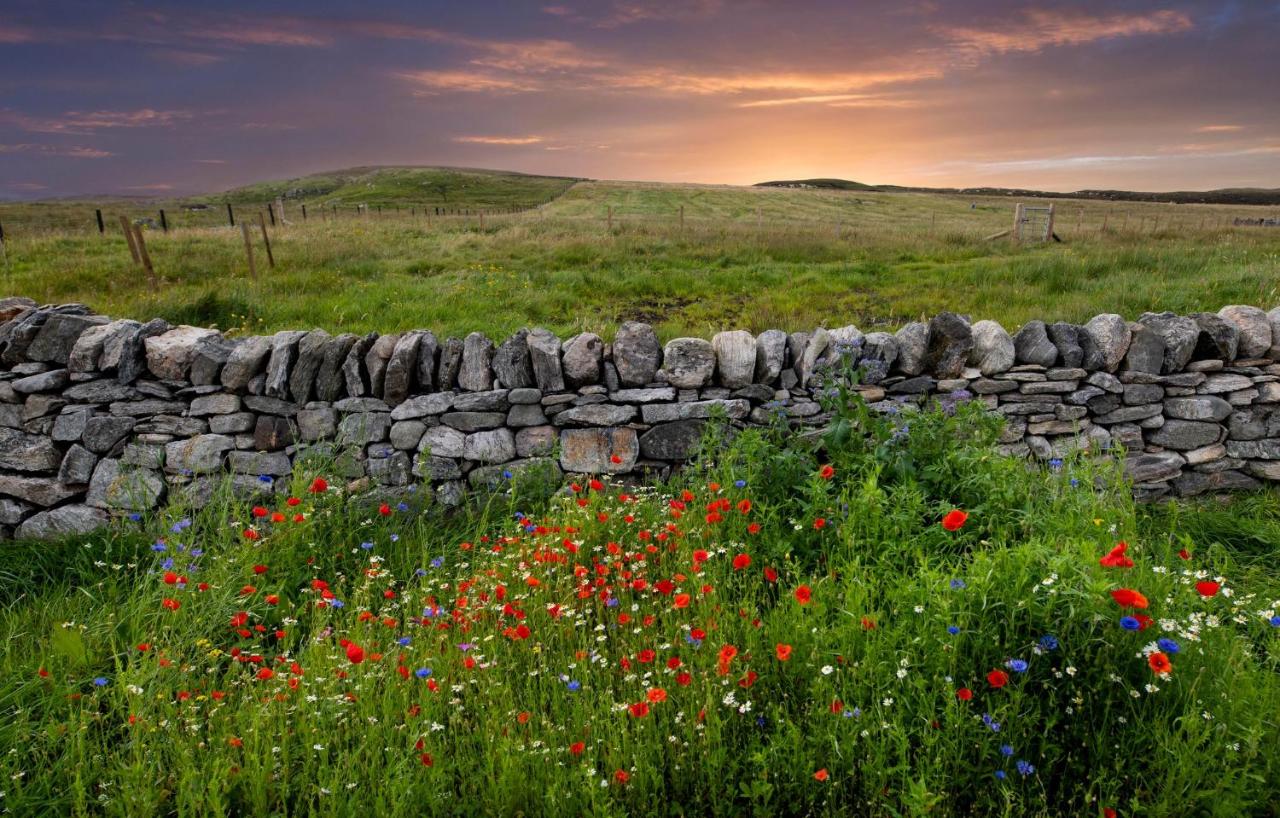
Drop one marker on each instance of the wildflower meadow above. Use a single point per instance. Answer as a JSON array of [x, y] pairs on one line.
[[885, 619]]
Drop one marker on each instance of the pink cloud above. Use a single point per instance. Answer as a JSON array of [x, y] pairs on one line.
[[1037, 29]]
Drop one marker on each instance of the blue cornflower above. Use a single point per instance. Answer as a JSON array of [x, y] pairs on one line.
[[1000, 774], [739, 483], [135, 516], [1049, 642], [166, 563], [1168, 645], [1275, 621], [1006, 749], [1017, 665], [266, 478], [402, 506], [1055, 464], [760, 721], [1129, 623], [957, 585], [1025, 767], [466, 646], [422, 672], [367, 546], [953, 630], [506, 474], [613, 602], [395, 538], [403, 640], [197, 552], [100, 681], [337, 603], [574, 685], [695, 642], [420, 572], [990, 722], [1075, 483], [437, 562], [159, 546]]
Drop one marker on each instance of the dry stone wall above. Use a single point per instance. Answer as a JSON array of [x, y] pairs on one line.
[[101, 417]]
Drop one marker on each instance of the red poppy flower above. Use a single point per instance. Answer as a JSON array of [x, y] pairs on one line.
[[577, 747], [954, 520], [804, 595], [171, 604], [997, 678], [783, 652], [355, 653], [741, 561], [821, 775], [827, 472], [1160, 663], [657, 695], [1207, 588], [639, 710], [770, 574], [1129, 598], [622, 776], [1184, 554], [964, 694], [754, 528], [820, 523], [319, 485], [1115, 558]]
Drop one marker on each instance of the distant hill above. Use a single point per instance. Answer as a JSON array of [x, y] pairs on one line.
[[402, 186], [819, 184], [1231, 196]]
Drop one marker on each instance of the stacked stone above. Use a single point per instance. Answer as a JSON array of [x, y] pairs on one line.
[[100, 416]]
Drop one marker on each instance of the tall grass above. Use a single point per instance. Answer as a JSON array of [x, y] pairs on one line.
[[827, 623]]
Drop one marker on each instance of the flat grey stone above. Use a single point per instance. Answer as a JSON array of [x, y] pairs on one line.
[[636, 354], [284, 351], [249, 358], [423, 405], [77, 465], [583, 359], [67, 521], [442, 441], [950, 342], [1253, 327], [672, 441], [1110, 335], [512, 362], [689, 363], [735, 353], [201, 454], [475, 374], [666, 412], [600, 414], [1204, 407], [125, 488], [311, 352], [473, 421], [544, 358], [592, 451], [492, 446]]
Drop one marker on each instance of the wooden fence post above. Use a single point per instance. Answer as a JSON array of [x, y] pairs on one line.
[[1105, 215], [128, 236], [164, 223], [146, 258], [248, 250], [271, 211], [1017, 223], [304, 213], [609, 217], [681, 218], [1048, 227], [102, 228], [231, 216], [266, 240]]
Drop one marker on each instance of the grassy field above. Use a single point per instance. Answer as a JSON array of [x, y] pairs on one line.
[[691, 259], [764, 636]]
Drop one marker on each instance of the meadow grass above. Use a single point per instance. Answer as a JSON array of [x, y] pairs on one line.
[[762, 635], [742, 257]]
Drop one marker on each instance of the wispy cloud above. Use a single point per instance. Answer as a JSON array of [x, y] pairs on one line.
[[1219, 128], [73, 151], [87, 122], [193, 59], [155, 187], [619, 14], [13, 34], [836, 101], [498, 140], [1037, 29]]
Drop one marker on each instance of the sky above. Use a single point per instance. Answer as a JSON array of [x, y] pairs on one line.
[[160, 98]]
